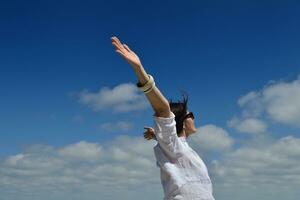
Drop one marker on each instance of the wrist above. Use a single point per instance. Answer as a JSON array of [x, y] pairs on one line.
[[137, 67]]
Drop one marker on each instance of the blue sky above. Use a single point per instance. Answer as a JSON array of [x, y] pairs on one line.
[[217, 51]]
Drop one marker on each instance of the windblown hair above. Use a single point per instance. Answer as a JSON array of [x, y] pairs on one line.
[[179, 109]]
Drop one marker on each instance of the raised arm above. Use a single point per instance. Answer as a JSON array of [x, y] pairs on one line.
[[158, 102]]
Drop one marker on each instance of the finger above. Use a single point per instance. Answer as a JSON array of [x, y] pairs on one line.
[[147, 136], [117, 40], [121, 53], [117, 46], [147, 133], [127, 48]]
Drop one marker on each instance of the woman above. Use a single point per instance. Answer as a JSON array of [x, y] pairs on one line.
[[184, 175]]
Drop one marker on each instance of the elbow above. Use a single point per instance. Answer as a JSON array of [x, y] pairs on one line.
[[163, 109], [163, 112]]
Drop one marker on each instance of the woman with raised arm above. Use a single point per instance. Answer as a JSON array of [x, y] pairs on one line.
[[184, 175]]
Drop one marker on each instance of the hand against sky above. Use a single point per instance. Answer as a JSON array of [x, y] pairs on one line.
[[149, 133], [126, 52]]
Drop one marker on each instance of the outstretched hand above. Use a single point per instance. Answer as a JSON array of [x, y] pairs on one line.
[[126, 52], [149, 133]]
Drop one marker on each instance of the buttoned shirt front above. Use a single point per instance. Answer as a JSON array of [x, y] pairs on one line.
[[183, 173]]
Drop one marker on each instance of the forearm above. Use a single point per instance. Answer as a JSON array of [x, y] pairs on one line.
[[158, 102]]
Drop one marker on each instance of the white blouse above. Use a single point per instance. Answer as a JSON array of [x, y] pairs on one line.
[[183, 173]]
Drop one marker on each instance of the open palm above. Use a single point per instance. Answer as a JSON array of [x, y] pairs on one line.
[[126, 52]]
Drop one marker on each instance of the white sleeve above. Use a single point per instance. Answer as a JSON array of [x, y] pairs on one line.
[[166, 135]]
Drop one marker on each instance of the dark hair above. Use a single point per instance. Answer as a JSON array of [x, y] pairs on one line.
[[179, 109]]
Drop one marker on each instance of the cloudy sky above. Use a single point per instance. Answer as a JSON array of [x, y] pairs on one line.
[[71, 117]]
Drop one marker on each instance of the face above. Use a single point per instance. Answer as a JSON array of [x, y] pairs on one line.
[[189, 125]]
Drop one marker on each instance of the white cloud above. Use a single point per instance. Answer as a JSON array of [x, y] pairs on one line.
[[116, 126], [247, 98], [211, 138], [81, 151], [13, 160], [255, 169], [279, 100], [262, 167], [122, 98], [249, 125], [89, 170], [272, 168], [283, 102]]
